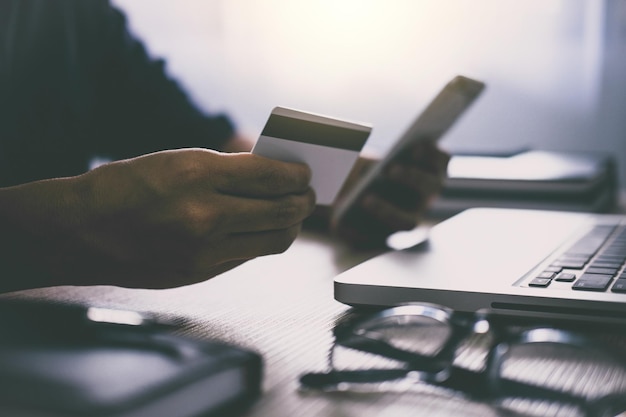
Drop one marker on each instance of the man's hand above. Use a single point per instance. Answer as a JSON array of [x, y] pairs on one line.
[[161, 220], [398, 201]]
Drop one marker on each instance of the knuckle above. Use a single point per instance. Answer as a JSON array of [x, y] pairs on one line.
[[283, 178], [287, 212], [188, 172], [311, 199], [188, 168], [198, 220], [283, 239], [271, 176], [196, 167], [305, 175], [294, 208]]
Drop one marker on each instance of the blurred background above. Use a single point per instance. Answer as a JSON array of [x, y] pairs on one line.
[[555, 69]]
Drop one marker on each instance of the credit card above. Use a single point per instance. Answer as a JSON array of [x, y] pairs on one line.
[[330, 146]]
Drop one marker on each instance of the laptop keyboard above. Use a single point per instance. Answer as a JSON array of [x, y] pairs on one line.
[[594, 263]]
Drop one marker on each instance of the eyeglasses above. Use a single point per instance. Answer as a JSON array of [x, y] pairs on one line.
[[424, 343]]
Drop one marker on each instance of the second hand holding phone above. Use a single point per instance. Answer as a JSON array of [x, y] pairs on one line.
[[440, 114]]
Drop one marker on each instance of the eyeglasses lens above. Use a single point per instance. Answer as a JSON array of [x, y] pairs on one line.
[[581, 372], [412, 334]]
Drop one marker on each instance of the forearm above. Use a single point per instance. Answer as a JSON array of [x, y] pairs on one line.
[[34, 220]]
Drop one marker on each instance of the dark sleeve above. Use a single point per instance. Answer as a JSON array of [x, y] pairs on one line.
[[136, 106], [75, 84]]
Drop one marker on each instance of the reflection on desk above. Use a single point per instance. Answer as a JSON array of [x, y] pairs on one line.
[[283, 307]]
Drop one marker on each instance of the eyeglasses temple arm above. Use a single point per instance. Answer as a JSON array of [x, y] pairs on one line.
[[413, 360], [333, 379]]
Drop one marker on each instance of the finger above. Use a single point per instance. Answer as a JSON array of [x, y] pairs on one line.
[[255, 176], [390, 216], [243, 246], [415, 179], [163, 278], [437, 162], [372, 220], [256, 215], [407, 187], [429, 157], [218, 269], [360, 239], [362, 228]]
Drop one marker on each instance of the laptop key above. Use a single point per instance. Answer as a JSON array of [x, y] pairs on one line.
[[619, 286], [597, 264], [592, 282], [612, 253], [540, 282], [566, 277], [571, 264], [607, 257], [602, 271], [566, 257]]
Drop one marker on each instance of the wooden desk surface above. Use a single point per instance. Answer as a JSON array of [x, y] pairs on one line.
[[281, 306]]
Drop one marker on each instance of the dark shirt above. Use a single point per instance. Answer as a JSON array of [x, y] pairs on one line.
[[74, 84]]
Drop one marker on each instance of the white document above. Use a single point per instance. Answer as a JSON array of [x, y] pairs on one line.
[[329, 146]]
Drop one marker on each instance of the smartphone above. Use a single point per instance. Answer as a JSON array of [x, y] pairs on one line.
[[430, 125]]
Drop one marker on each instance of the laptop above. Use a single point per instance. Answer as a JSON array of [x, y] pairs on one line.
[[533, 264]]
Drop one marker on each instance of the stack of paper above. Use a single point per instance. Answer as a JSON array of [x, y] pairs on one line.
[[550, 180]]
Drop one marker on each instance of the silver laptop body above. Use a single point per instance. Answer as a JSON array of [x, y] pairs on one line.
[[494, 259]]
